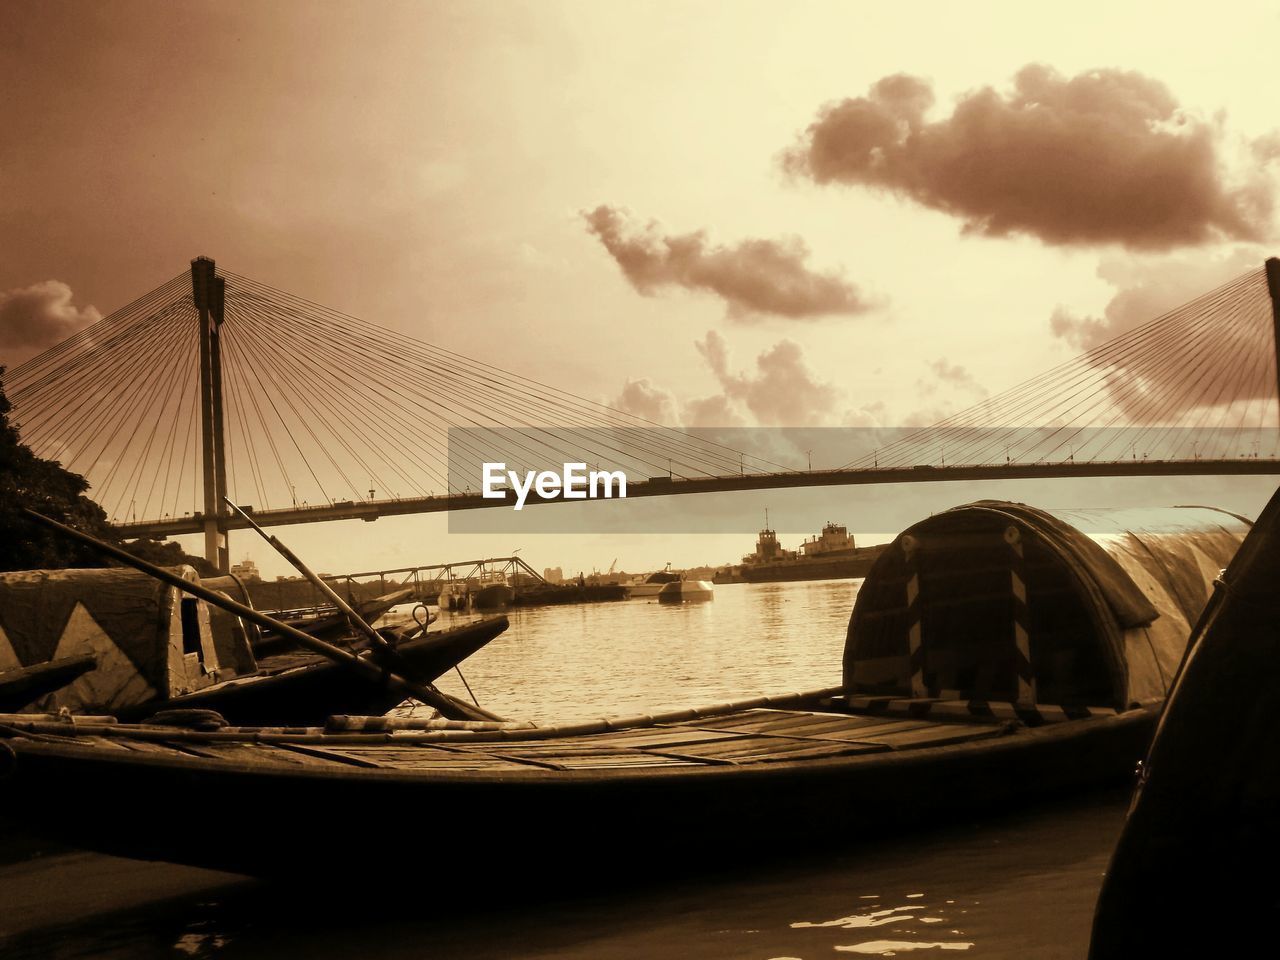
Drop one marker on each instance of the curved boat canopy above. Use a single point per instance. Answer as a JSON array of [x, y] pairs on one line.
[[999, 601]]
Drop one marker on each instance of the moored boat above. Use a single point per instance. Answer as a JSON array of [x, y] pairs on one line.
[[150, 647], [686, 591], [995, 654], [1205, 815], [745, 777], [492, 593], [329, 624], [831, 555], [304, 688], [489, 592], [21, 686], [651, 585]]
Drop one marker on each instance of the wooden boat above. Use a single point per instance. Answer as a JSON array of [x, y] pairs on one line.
[[664, 786], [981, 603], [330, 626], [1205, 818], [155, 648], [303, 688]]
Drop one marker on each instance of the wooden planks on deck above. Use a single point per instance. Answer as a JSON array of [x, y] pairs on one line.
[[745, 737]]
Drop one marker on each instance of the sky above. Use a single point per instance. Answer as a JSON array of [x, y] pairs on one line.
[[723, 214]]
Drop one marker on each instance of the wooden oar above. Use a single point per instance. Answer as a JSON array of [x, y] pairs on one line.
[[450, 707], [358, 621]]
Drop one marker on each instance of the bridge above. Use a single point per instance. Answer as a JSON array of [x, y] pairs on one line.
[[425, 581], [215, 385]]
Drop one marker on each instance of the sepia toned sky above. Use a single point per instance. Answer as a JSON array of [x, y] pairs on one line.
[[746, 213]]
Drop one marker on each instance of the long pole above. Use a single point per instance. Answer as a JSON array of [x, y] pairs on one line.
[[451, 707], [358, 621]]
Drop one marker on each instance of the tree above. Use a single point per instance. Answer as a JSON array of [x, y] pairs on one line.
[[166, 553], [43, 485]]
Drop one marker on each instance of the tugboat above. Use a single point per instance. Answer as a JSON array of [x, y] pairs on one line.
[[831, 555], [490, 591]]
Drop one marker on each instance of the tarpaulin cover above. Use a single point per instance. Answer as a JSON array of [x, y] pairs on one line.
[[1141, 576], [126, 619]]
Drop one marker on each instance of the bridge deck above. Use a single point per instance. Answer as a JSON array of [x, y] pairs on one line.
[[664, 487]]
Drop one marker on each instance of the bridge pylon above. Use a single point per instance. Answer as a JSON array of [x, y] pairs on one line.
[[1273, 286], [208, 292]]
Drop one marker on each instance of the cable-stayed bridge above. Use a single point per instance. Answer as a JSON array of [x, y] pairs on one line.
[[215, 385]]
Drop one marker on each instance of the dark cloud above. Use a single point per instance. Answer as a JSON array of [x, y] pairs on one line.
[[1106, 156], [755, 277], [34, 318]]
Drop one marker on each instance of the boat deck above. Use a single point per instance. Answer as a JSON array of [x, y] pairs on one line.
[[755, 736]]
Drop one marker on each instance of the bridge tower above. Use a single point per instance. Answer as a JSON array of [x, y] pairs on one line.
[[1273, 285], [208, 291]]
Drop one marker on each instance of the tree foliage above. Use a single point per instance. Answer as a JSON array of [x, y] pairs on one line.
[[45, 486]]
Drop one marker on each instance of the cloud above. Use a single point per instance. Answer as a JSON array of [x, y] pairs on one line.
[[642, 398], [781, 392], [953, 375], [716, 410], [874, 414], [1106, 156], [755, 277], [34, 318]]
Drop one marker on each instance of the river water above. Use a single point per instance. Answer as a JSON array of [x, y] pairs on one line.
[[609, 659], [1018, 885]]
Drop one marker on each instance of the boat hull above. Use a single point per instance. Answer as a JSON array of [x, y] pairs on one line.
[[25, 685], [658, 817], [686, 591], [492, 596], [786, 571], [644, 590], [304, 689]]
